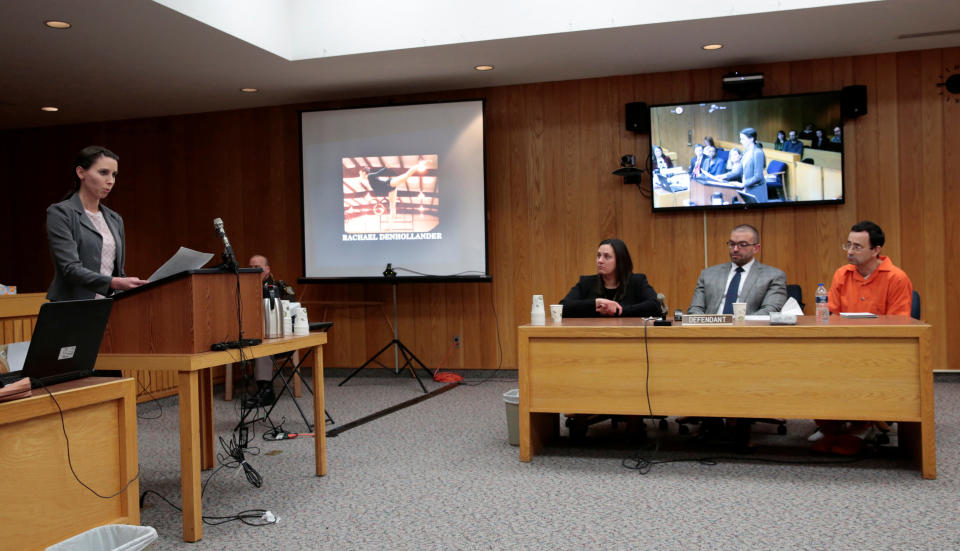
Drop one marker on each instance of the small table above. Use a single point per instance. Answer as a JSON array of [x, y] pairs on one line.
[[195, 389]]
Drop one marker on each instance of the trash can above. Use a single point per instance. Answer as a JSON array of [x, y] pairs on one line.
[[115, 537], [511, 400]]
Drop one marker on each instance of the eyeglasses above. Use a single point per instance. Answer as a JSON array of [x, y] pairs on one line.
[[740, 244], [855, 247]]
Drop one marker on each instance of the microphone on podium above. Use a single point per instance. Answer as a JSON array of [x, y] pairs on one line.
[[229, 260]]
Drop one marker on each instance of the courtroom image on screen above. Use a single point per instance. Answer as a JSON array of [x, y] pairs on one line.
[[746, 153], [390, 194]]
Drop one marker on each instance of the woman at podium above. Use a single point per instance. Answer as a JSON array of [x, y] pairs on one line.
[[615, 290], [86, 238]]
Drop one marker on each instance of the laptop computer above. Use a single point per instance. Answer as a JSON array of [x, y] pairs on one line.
[[65, 342]]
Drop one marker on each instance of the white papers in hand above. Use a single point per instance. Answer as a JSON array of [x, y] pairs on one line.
[[17, 354], [184, 259], [791, 307]]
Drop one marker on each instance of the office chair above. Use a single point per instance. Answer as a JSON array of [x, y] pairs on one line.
[[883, 437], [705, 422], [795, 292], [723, 154], [578, 424], [774, 179]]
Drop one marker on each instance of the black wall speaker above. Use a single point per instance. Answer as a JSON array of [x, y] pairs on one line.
[[853, 101], [638, 117]]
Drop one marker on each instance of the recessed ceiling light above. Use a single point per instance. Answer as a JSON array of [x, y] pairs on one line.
[[54, 24], [484, 67], [712, 46], [50, 109], [249, 90]]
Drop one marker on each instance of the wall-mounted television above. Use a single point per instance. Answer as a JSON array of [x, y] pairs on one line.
[[731, 154]]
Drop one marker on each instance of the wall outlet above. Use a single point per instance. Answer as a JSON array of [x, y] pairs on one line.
[[456, 341]]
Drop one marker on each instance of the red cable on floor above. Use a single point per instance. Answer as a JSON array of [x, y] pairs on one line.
[[446, 377]]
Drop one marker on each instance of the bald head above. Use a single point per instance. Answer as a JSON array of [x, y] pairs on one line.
[[260, 261]]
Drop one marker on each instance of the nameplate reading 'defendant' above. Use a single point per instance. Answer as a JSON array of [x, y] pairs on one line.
[[708, 319]]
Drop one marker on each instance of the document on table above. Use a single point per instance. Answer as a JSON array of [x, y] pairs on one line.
[[857, 315], [185, 259]]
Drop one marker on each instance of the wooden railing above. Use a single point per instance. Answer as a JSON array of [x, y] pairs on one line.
[[18, 316]]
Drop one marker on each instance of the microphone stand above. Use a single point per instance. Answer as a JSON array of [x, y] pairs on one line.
[[228, 262]]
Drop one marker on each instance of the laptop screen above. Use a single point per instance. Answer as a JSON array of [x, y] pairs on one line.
[[66, 340]]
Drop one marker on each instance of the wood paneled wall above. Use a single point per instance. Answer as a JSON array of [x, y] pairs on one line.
[[551, 198]]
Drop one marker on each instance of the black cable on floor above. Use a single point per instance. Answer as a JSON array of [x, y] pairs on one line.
[[643, 465], [248, 517], [153, 399], [232, 457]]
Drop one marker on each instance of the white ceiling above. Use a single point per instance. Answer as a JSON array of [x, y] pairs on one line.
[[311, 29], [136, 58]]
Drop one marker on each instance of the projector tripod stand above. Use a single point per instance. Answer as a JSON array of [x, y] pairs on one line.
[[398, 349]]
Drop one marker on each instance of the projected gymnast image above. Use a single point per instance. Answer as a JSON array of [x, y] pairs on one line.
[[390, 194]]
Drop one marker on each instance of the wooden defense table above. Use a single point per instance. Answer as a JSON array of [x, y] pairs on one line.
[[195, 389], [865, 369], [42, 502]]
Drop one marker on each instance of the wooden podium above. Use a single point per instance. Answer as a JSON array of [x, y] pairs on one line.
[[185, 313], [166, 328]]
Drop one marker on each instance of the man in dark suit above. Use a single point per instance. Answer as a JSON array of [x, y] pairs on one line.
[[793, 145], [762, 287], [696, 162]]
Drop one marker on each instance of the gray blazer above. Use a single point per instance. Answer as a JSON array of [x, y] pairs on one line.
[[764, 291], [75, 247], [753, 163]]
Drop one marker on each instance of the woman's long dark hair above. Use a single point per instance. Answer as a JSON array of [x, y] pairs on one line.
[[624, 268], [85, 159]]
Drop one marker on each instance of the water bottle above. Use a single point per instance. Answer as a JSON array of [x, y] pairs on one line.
[[823, 309]]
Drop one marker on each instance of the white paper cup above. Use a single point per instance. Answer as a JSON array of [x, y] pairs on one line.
[[739, 311], [556, 313], [537, 303]]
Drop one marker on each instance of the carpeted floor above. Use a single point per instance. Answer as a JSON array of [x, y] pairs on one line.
[[441, 475]]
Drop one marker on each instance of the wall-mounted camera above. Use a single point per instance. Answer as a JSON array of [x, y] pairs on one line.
[[628, 170]]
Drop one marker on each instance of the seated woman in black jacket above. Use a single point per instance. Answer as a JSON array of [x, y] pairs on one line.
[[614, 291]]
